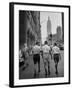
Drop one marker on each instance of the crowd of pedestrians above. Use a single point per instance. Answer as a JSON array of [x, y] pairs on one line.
[[47, 52]]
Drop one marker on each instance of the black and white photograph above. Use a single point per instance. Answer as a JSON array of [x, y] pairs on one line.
[[40, 53], [41, 44]]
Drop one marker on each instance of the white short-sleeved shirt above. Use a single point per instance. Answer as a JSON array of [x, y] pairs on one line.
[[55, 50], [20, 54], [36, 49], [46, 49]]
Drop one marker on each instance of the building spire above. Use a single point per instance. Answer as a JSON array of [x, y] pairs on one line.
[[49, 26]]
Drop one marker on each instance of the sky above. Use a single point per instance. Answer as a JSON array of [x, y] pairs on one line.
[[55, 18]]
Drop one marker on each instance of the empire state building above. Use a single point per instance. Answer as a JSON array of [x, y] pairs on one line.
[[48, 26]]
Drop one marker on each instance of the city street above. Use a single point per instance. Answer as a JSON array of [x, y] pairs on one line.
[[28, 72]]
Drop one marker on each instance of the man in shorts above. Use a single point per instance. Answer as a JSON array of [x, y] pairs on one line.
[[56, 56], [36, 58], [46, 59]]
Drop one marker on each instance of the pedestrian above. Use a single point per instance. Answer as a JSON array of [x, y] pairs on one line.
[[56, 56], [51, 51], [36, 58], [21, 60], [25, 55], [46, 59]]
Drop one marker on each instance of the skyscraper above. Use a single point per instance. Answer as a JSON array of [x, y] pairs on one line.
[[29, 27], [59, 34], [63, 27], [49, 26]]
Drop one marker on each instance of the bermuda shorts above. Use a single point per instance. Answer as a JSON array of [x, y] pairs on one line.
[[36, 58], [46, 57], [56, 58]]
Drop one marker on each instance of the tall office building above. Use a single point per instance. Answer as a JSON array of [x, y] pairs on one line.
[[29, 27], [59, 34], [49, 26], [63, 27]]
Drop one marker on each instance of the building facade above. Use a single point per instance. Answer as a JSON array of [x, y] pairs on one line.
[[62, 27], [29, 27]]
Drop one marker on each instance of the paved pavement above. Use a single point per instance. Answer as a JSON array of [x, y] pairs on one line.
[[28, 72]]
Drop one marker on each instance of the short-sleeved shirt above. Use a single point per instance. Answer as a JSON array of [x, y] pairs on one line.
[[56, 50], [20, 54], [46, 49], [36, 49]]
